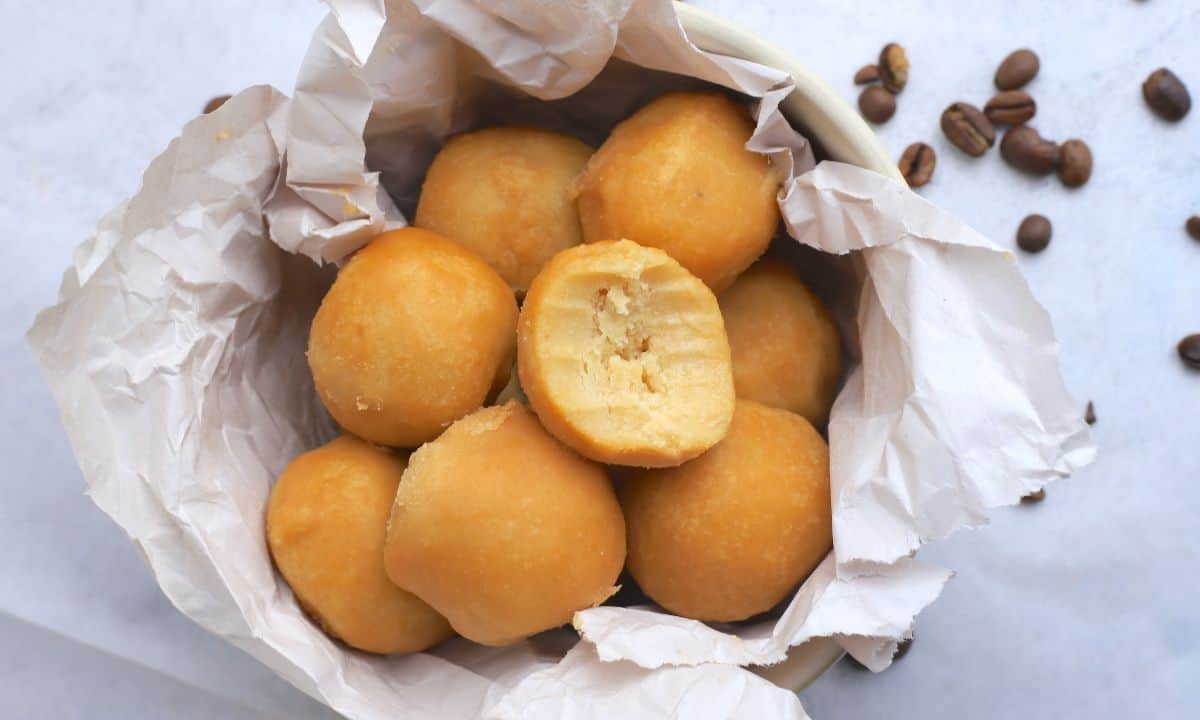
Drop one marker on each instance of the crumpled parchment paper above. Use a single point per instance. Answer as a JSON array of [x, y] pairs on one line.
[[176, 356]]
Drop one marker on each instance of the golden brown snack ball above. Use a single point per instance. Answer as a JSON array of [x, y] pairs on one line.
[[733, 532], [506, 194], [415, 333], [677, 176], [326, 523], [504, 530], [623, 355], [786, 349]]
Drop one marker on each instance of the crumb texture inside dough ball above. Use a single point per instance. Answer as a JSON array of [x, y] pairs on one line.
[[415, 333], [786, 349], [506, 194], [677, 176], [504, 530], [623, 356], [730, 534], [326, 523]]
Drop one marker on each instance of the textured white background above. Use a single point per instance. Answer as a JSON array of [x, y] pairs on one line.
[[1084, 606]]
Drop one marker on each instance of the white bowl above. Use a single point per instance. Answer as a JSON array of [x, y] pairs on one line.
[[814, 108]]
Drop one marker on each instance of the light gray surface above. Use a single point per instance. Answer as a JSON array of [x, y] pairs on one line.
[[92, 92], [1084, 606]]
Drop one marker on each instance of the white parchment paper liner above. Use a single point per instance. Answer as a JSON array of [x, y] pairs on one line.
[[175, 354]]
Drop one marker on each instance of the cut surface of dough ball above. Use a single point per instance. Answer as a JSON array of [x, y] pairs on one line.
[[326, 522], [676, 175], [503, 529], [506, 194], [730, 534], [415, 333], [623, 355], [786, 349]]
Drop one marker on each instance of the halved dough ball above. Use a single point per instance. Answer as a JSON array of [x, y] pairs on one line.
[[505, 194], [415, 333], [326, 523], [786, 348], [677, 176], [731, 533], [623, 355], [503, 530]]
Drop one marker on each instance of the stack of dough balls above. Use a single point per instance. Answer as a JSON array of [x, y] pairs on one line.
[[651, 348]]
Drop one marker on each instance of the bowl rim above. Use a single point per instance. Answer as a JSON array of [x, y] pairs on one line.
[[813, 104], [845, 136]]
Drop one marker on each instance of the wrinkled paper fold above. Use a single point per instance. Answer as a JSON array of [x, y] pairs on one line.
[[176, 356]]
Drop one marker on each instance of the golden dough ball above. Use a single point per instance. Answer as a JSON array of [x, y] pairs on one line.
[[623, 355], [415, 333], [731, 533], [506, 194], [326, 523], [786, 349], [503, 530], [677, 176]]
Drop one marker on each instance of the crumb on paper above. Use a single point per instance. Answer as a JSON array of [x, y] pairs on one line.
[[349, 207], [223, 135]]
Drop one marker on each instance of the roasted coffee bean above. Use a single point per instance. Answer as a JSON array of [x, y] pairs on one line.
[[893, 67], [1024, 149], [917, 164], [1193, 227], [1033, 235], [1166, 95], [866, 75], [215, 103], [968, 128], [1034, 497], [877, 104], [1189, 351], [1017, 70], [1074, 163], [1089, 415], [1011, 107]]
